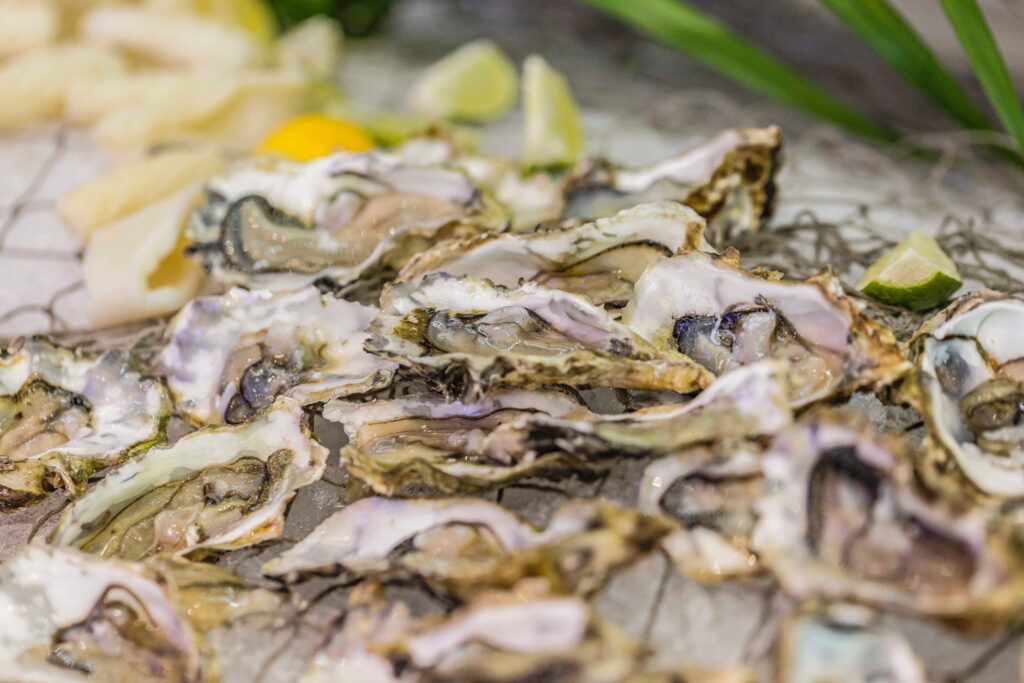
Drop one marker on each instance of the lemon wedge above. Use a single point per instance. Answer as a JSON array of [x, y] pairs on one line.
[[476, 82], [315, 135], [916, 274], [552, 133]]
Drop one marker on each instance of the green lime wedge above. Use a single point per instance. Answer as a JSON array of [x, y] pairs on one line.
[[476, 82], [916, 274], [553, 135]]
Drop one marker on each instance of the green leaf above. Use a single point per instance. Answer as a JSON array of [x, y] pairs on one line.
[[989, 67], [710, 42], [895, 41]]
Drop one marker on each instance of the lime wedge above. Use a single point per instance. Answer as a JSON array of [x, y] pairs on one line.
[[476, 82], [916, 274], [553, 135]]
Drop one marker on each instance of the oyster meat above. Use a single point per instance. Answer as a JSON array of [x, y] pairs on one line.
[[969, 387], [722, 316], [841, 519], [448, 444], [468, 335], [600, 260], [229, 356], [729, 180], [278, 224], [714, 497], [218, 488], [462, 544], [845, 643], [66, 414], [68, 615]]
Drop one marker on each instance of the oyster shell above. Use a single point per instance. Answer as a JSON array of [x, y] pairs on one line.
[[969, 386], [841, 519], [231, 355], [67, 614], [66, 414], [461, 545], [447, 444], [713, 497], [729, 180], [845, 643], [216, 489], [276, 224], [722, 316], [747, 402], [523, 635], [533, 197], [600, 260], [468, 335]]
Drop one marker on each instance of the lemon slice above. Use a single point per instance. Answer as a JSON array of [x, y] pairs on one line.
[[916, 274], [476, 82], [552, 133], [315, 135]]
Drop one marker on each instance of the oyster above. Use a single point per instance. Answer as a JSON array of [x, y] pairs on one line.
[[216, 489], [461, 545], [67, 614], [66, 414], [533, 197], [522, 635], [448, 444], [231, 355], [600, 260], [722, 316], [969, 387], [468, 335], [713, 497], [729, 180], [845, 643], [841, 519], [277, 224]]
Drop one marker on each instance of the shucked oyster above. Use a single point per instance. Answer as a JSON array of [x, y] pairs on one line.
[[970, 389], [218, 488], [722, 316], [64, 415], [463, 544], [600, 260], [714, 497], [521, 635], [68, 615], [467, 335], [279, 225], [448, 444], [730, 181], [841, 519], [231, 355], [845, 643]]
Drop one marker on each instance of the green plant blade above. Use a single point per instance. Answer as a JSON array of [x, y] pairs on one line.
[[895, 41], [710, 42], [980, 46]]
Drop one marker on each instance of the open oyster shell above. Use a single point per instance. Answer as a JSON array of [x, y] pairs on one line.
[[729, 180], [231, 355], [66, 414], [448, 444], [468, 335], [969, 386], [463, 544], [67, 614], [722, 316], [845, 643], [714, 497], [218, 488], [522, 635], [600, 260], [277, 224], [841, 519]]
